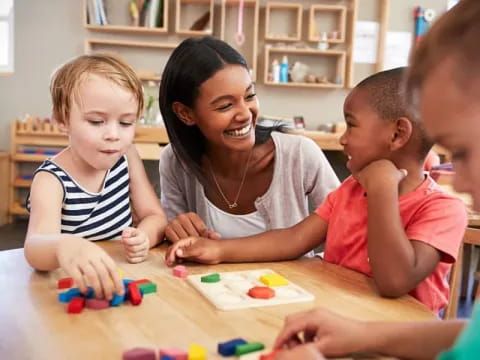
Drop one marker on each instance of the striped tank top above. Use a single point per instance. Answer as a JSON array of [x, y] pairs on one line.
[[94, 216]]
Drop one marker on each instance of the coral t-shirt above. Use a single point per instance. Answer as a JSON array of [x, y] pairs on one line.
[[428, 214]]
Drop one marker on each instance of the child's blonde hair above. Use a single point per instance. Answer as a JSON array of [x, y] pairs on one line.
[[67, 79], [455, 36]]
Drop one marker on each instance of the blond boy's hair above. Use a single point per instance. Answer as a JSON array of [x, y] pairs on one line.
[[66, 81], [455, 36]]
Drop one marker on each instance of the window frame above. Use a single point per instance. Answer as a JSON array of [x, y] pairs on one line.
[[9, 19]]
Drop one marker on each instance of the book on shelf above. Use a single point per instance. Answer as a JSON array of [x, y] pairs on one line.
[[96, 12]]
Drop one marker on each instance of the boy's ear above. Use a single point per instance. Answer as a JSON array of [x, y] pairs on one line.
[[183, 112], [402, 133]]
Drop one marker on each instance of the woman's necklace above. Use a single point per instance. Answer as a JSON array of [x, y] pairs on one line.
[[234, 204]]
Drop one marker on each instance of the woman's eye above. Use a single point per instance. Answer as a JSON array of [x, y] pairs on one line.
[[251, 96], [224, 107]]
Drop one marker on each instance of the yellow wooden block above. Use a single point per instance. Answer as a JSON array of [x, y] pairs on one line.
[[273, 280], [197, 352], [120, 273]]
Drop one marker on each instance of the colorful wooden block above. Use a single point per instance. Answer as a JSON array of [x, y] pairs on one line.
[[261, 292], [75, 306], [173, 353], [90, 294], [271, 355], [142, 281], [228, 348], [65, 283], [147, 288], [134, 294], [97, 304], [273, 280], [120, 273], [117, 300], [139, 354], [180, 271], [210, 278], [64, 297], [197, 352], [248, 348]]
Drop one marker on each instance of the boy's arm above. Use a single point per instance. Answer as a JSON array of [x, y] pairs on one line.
[[275, 245], [144, 200]]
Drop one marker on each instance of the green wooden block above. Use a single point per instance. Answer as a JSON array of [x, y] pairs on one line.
[[148, 288], [248, 348], [211, 278]]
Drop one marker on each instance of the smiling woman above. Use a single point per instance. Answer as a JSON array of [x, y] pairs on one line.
[[223, 174]]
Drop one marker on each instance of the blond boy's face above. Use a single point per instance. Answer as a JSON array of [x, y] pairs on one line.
[[101, 125], [451, 116]]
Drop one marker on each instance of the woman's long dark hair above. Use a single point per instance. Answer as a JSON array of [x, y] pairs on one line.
[[193, 62]]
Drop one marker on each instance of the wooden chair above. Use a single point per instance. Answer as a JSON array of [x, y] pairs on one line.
[[471, 238]]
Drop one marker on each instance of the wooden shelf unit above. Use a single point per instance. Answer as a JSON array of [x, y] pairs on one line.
[[339, 11], [248, 4], [34, 134], [278, 6], [125, 28], [339, 72], [179, 30]]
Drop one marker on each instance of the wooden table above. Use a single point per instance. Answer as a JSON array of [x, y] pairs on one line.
[[34, 325]]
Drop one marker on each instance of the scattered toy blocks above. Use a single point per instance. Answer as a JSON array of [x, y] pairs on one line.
[[117, 300], [228, 348], [211, 278], [173, 353], [97, 304], [261, 292], [180, 271], [273, 280], [248, 348], [139, 354], [147, 288], [65, 283], [75, 306], [197, 352]]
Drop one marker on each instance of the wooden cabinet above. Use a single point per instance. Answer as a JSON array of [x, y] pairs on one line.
[[4, 170]]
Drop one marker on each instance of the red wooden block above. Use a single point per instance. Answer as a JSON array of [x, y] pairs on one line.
[[141, 281], [180, 271], [97, 304], [75, 306], [65, 283], [173, 353], [134, 294], [139, 354], [261, 292], [270, 356]]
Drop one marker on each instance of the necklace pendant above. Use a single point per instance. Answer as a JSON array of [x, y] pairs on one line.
[[234, 205]]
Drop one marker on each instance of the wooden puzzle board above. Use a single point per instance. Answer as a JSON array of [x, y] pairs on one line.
[[230, 293]]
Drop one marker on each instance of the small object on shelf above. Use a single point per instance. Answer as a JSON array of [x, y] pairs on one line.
[[201, 23], [275, 71], [299, 71], [134, 14], [323, 43], [299, 122], [284, 70], [310, 79], [322, 79], [240, 36]]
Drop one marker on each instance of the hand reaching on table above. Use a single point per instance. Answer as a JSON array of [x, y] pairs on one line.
[[328, 333], [197, 249], [186, 225], [89, 265]]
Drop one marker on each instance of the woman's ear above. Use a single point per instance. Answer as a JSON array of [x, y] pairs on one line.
[[402, 133], [183, 112]]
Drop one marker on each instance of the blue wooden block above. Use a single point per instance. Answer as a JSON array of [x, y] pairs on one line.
[[74, 292], [64, 297], [166, 357], [90, 293], [228, 348], [117, 300]]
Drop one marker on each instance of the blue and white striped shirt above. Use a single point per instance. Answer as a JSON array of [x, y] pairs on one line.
[[94, 216]]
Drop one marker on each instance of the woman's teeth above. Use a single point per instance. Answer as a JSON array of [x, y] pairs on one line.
[[239, 132]]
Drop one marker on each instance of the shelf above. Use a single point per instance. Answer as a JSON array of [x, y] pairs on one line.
[[30, 157], [17, 209], [142, 44], [338, 73], [295, 9], [20, 183], [338, 28], [126, 29], [197, 18]]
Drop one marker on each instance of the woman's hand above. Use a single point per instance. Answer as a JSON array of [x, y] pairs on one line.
[[186, 225], [197, 249]]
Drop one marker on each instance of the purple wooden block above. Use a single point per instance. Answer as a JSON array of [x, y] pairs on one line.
[[139, 354]]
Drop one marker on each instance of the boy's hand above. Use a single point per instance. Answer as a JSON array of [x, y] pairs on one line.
[[136, 245], [89, 265], [331, 334], [202, 250], [186, 225], [378, 173]]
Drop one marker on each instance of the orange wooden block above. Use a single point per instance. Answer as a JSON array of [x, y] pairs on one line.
[[261, 292]]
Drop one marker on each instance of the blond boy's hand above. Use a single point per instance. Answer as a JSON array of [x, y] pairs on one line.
[[202, 250], [89, 265], [186, 225], [136, 244], [330, 334], [379, 173]]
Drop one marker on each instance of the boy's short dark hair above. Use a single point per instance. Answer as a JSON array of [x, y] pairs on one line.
[[385, 92]]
